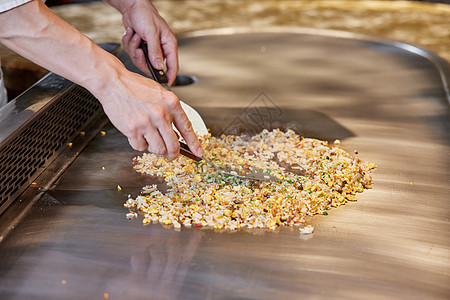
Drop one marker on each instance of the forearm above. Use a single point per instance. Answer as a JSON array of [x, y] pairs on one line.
[[35, 32], [140, 108]]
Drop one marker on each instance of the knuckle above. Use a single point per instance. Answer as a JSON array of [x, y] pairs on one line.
[[158, 115], [175, 149], [136, 145], [187, 126], [173, 152], [134, 127], [173, 40], [172, 101], [172, 156], [139, 148], [157, 149], [131, 129], [133, 59]]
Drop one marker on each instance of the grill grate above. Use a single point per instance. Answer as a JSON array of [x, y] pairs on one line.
[[34, 146]]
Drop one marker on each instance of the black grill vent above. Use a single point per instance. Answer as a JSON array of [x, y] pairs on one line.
[[32, 148]]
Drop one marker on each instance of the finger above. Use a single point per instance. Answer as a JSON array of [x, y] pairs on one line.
[[184, 126], [163, 122], [140, 262], [154, 51], [134, 43], [172, 67], [169, 46], [155, 142], [176, 133], [171, 141], [158, 261], [141, 63], [137, 143], [128, 34], [130, 41]]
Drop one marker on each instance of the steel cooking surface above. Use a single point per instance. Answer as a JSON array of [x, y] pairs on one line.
[[386, 102]]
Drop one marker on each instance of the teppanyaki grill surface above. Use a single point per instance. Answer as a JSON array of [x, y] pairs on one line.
[[379, 97]]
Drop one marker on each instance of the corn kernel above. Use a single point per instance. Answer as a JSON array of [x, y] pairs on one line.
[[218, 226], [333, 177]]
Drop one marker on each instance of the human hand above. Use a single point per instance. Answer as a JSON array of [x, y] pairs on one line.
[[158, 266], [144, 112], [142, 21], [139, 107]]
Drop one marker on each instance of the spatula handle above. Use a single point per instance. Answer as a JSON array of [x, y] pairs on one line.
[[184, 150], [158, 75], [161, 77]]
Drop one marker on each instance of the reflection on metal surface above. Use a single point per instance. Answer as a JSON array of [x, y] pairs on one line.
[[263, 113], [305, 122], [158, 266], [260, 114], [384, 101], [440, 64]]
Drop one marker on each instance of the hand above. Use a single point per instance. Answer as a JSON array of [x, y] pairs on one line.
[[158, 265], [139, 107], [142, 21], [144, 112]]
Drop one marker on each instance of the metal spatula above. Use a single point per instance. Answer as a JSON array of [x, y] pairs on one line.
[[200, 128], [249, 173]]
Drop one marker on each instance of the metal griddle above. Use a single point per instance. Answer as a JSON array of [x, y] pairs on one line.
[[67, 237]]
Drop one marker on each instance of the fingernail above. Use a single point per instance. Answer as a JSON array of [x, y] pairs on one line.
[[159, 64], [127, 31]]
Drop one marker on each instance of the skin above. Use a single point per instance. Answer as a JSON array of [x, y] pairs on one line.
[[137, 106], [160, 39]]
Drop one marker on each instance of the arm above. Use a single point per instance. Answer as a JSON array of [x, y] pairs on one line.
[[142, 20], [139, 107]]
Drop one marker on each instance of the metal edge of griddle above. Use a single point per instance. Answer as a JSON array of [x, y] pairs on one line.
[[440, 64], [19, 208], [20, 113]]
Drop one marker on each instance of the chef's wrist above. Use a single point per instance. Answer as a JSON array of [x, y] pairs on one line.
[[104, 76], [122, 5]]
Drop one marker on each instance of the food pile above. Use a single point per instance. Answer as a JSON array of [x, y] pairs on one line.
[[311, 177]]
